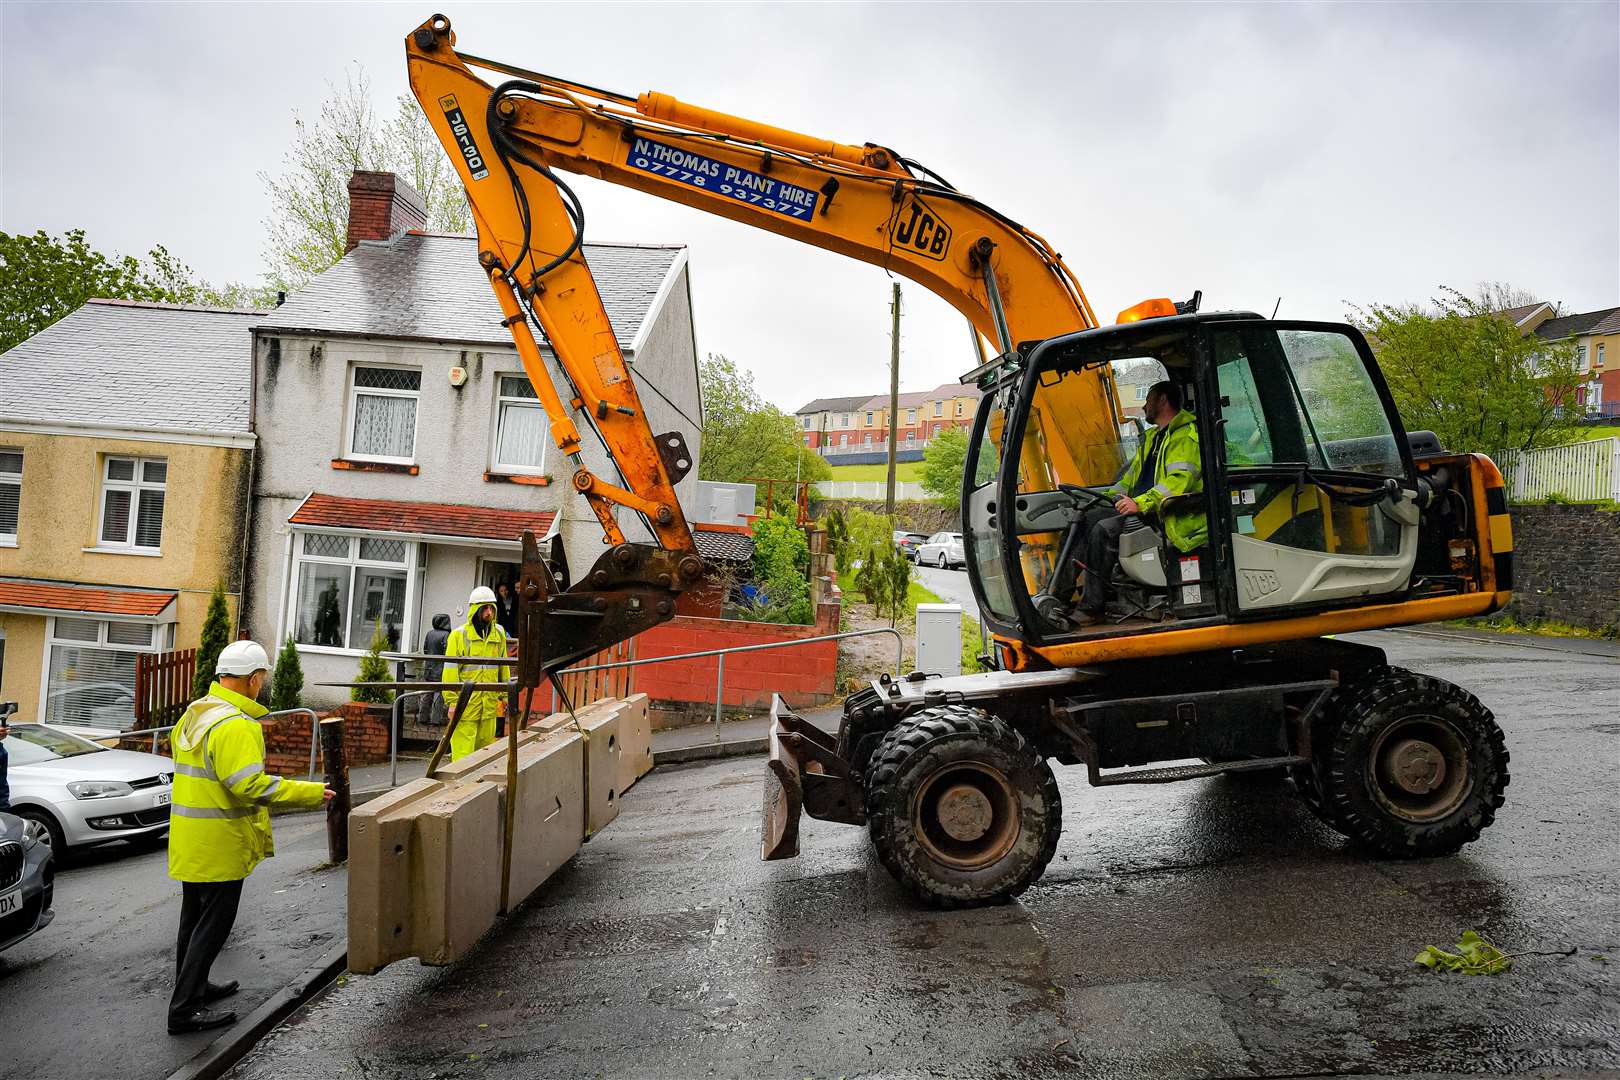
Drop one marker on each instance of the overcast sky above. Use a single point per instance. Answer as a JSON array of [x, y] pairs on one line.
[[1317, 153]]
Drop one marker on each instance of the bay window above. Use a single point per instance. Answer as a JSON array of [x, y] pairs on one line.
[[90, 670], [346, 588]]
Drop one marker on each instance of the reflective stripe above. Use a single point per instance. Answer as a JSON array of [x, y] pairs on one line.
[[213, 811], [1181, 466], [194, 770], [243, 773], [269, 790], [1162, 489]]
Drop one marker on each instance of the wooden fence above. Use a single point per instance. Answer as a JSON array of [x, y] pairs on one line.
[[163, 686], [1579, 472], [587, 686]]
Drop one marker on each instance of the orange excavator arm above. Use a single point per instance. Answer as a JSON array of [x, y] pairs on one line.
[[867, 202]]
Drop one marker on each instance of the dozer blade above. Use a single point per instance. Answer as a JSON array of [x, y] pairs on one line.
[[784, 791]]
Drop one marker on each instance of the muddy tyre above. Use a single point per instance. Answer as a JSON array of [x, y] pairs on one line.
[[1414, 766], [961, 809]]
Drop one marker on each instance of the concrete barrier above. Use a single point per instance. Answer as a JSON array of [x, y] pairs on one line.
[[382, 852], [425, 859]]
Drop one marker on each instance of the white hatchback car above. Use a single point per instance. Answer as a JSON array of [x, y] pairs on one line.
[[943, 549], [70, 791]]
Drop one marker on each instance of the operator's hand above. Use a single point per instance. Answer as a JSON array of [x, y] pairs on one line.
[[327, 795], [5, 730], [1127, 505]]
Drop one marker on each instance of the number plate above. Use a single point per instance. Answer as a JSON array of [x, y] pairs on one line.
[[161, 799], [9, 902]]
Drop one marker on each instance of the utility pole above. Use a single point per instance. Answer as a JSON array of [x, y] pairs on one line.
[[894, 396]]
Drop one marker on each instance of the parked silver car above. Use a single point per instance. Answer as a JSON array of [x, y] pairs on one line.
[[943, 549], [27, 882], [71, 791]]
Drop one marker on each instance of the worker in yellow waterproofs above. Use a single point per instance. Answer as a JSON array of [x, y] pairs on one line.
[[481, 635], [219, 824]]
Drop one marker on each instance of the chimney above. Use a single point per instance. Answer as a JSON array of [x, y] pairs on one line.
[[381, 206]]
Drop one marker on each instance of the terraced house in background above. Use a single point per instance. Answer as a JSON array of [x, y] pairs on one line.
[[845, 429], [125, 465]]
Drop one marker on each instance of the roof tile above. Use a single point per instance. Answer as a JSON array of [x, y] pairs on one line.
[[91, 600], [421, 519], [429, 287]]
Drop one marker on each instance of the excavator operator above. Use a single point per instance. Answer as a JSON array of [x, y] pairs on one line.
[[1167, 463]]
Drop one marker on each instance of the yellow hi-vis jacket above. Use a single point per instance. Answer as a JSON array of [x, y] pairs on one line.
[[219, 824], [465, 640], [1177, 470]]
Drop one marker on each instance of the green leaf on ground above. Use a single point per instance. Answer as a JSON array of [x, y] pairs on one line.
[[1474, 956]]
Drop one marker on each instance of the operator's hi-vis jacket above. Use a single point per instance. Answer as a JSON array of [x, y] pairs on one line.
[[219, 824], [1178, 470]]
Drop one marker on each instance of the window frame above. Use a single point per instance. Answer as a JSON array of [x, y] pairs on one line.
[[356, 390], [297, 557], [135, 486], [14, 479], [162, 640], [502, 400]]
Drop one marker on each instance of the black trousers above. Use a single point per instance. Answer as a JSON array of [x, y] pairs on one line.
[[1099, 528], [207, 913]]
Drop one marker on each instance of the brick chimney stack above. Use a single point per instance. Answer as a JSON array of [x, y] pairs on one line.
[[381, 206]]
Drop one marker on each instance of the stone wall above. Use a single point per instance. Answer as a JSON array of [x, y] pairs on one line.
[[914, 515], [1566, 565]]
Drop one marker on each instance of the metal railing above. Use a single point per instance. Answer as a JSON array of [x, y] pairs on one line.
[[314, 732], [721, 654]]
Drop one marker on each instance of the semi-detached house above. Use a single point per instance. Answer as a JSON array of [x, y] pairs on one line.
[[401, 449], [125, 461]]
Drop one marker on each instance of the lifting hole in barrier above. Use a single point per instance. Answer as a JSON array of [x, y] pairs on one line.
[[399, 849], [611, 794]]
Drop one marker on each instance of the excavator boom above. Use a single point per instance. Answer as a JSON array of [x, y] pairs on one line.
[[868, 202]]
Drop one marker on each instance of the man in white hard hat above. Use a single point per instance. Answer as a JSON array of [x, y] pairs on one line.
[[481, 635], [219, 825]]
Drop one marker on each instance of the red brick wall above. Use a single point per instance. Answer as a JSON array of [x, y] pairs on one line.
[[803, 675], [286, 741]]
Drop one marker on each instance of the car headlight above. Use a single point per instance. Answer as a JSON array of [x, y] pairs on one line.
[[99, 789]]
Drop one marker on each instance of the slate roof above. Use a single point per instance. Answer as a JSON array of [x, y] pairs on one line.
[[833, 404], [134, 365], [57, 596], [429, 287], [723, 545], [419, 518], [1517, 315], [1605, 321]]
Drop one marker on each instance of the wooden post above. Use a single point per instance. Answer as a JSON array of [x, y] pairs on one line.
[[337, 778]]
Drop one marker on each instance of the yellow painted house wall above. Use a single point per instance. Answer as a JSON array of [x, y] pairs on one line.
[[204, 521]]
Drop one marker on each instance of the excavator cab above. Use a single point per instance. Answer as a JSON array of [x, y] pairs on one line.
[[1305, 497]]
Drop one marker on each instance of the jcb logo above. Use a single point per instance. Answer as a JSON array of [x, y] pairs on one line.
[[917, 228], [1260, 583]]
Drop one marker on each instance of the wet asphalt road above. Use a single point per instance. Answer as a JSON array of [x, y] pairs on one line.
[[1209, 928], [87, 998], [951, 586]]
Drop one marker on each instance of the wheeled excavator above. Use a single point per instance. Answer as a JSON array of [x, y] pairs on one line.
[[1322, 515]]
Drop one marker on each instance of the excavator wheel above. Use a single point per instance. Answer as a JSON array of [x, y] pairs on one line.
[[1413, 765], [961, 808]]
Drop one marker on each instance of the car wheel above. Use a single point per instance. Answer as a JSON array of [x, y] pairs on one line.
[[42, 827], [943, 562]]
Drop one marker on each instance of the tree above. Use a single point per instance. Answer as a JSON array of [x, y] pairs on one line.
[[44, 278], [744, 435], [943, 462], [373, 669], [216, 634], [781, 572], [1464, 371], [309, 216], [287, 683]]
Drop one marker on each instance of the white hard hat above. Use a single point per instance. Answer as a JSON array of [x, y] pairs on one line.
[[481, 596], [242, 658]]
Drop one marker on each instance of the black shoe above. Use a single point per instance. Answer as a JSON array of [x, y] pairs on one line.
[[200, 1020], [216, 991]]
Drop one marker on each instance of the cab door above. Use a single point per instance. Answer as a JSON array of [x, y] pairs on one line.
[[1318, 488]]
